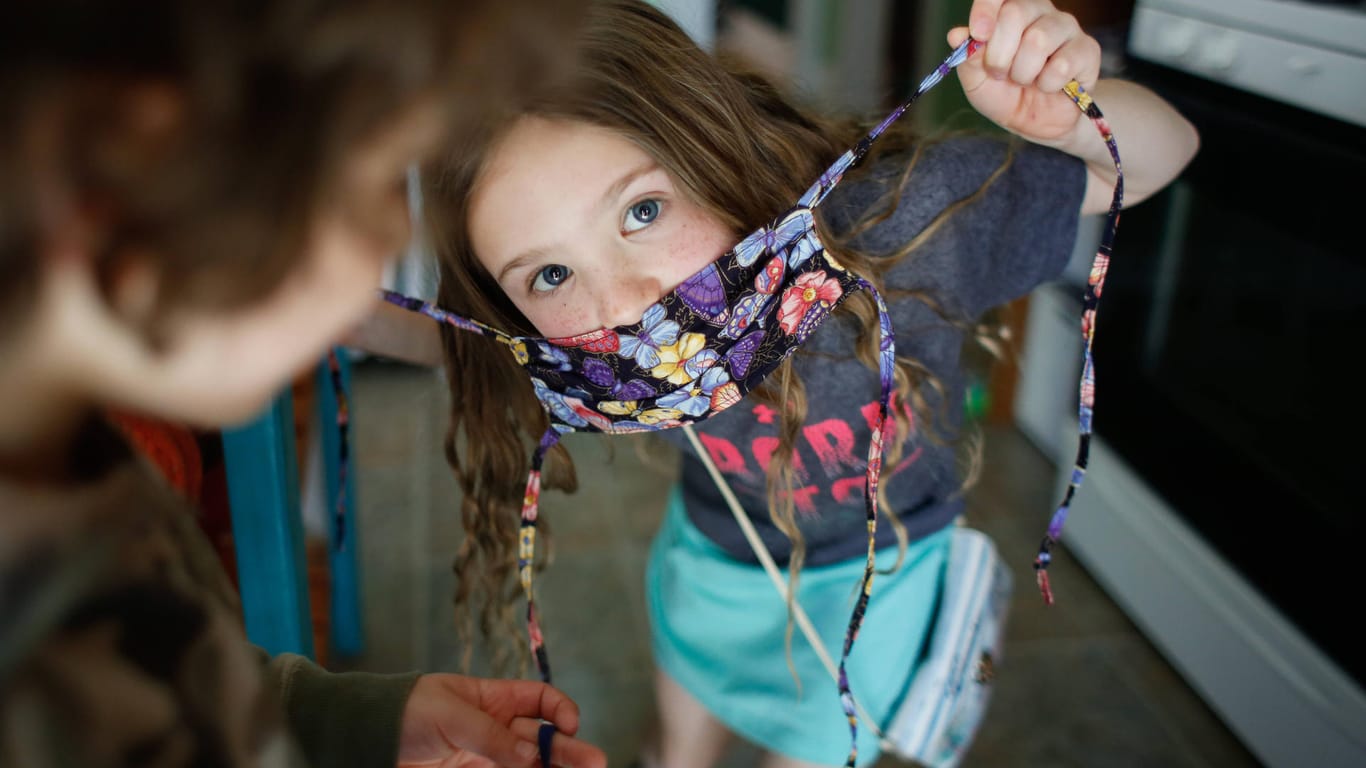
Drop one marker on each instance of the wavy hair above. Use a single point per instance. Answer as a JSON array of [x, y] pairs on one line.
[[738, 148]]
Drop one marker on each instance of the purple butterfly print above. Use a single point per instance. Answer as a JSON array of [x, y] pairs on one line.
[[656, 330], [765, 240], [750, 309], [601, 374], [741, 354], [827, 181], [814, 316], [635, 389], [704, 294]]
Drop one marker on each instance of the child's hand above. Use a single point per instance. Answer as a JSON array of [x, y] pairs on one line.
[[455, 721], [1032, 50]]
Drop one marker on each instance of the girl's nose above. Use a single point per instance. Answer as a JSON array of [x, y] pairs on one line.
[[627, 297]]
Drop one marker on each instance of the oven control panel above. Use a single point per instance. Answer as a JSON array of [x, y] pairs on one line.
[[1320, 78]]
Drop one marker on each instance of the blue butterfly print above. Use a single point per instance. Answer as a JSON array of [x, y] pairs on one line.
[[695, 398], [555, 403], [553, 356], [765, 240], [704, 294], [601, 374], [656, 330], [829, 179], [741, 355], [749, 309], [695, 365], [803, 250]]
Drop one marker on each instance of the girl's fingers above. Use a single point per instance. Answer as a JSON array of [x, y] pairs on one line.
[[970, 73], [1078, 60], [1011, 22], [1045, 37], [982, 19]]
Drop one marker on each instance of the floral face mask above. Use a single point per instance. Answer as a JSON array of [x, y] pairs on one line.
[[701, 348]]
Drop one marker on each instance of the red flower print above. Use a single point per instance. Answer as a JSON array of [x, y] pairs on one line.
[[808, 290]]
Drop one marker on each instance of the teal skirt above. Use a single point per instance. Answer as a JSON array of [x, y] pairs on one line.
[[717, 629]]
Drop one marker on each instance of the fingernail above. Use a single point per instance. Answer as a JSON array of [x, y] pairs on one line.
[[980, 26], [526, 750]]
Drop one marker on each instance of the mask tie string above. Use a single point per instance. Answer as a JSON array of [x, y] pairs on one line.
[[343, 445], [1090, 300], [887, 374], [531, 499], [526, 550], [442, 316]]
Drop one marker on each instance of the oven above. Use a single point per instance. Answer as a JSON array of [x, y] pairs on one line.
[[1226, 504]]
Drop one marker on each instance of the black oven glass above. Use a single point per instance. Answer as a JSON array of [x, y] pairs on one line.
[[1229, 345]]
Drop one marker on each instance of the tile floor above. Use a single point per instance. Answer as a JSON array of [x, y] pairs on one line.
[[1080, 686]]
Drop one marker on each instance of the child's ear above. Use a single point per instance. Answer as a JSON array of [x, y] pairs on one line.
[[133, 288], [124, 282], [119, 291]]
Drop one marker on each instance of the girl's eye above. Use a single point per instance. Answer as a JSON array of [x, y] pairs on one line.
[[640, 215], [550, 277]]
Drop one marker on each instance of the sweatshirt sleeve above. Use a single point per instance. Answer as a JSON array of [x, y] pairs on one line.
[[340, 718]]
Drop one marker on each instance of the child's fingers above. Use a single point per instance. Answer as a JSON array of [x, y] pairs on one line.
[[1079, 59], [982, 19], [1045, 37], [564, 749], [970, 72], [1012, 21]]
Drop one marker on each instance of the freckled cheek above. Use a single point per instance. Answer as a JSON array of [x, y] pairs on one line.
[[558, 319], [696, 244]]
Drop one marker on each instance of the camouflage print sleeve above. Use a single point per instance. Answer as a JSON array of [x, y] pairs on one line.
[[117, 646]]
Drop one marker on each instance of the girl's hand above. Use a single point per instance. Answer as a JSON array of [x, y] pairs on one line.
[[1032, 50]]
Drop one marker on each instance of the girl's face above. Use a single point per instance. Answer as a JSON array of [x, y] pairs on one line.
[[584, 230]]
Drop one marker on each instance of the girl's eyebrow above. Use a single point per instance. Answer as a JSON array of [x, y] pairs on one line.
[[608, 197], [526, 257], [614, 191]]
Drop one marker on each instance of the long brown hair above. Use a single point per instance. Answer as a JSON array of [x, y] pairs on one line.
[[739, 149]]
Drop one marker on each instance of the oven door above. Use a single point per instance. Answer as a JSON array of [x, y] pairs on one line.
[[1227, 333]]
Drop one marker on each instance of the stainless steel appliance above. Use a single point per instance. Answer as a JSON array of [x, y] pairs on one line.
[[1226, 503]]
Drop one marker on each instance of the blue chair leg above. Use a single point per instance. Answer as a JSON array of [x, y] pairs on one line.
[[263, 491], [347, 633]]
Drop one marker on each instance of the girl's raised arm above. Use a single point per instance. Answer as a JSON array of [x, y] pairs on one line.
[[1032, 50]]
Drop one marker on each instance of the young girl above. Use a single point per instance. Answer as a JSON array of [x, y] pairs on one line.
[[625, 185], [197, 198]]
